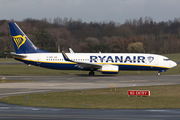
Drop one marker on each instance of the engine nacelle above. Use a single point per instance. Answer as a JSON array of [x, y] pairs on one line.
[[109, 69]]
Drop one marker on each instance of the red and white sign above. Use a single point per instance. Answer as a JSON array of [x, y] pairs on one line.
[[138, 93]]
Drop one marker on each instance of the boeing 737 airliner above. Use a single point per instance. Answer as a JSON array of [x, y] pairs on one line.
[[107, 63]]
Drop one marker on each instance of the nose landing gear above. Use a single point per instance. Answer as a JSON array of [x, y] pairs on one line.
[[158, 73]]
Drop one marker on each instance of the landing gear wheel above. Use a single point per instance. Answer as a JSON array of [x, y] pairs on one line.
[[158, 73], [91, 73]]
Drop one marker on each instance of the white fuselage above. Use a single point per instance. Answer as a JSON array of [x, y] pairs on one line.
[[125, 61]]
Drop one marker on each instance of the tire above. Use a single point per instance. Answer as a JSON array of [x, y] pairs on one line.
[[91, 73]]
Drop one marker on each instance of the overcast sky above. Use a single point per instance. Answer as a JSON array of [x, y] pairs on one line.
[[90, 10]]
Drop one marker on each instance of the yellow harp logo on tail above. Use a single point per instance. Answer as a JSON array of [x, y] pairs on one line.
[[19, 40]]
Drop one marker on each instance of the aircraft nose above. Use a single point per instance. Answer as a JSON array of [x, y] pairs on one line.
[[173, 64]]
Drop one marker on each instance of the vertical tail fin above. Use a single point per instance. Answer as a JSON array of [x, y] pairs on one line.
[[65, 56], [22, 43]]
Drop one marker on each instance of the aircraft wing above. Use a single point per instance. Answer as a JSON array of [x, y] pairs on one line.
[[82, 64], [18, 55], [88, 65]]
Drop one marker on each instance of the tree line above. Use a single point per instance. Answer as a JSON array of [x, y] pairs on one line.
[[141, 35]]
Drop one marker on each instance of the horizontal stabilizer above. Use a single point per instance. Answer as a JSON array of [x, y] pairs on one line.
[[18, 55]]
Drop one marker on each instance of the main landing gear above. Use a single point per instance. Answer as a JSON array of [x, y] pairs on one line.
[[159, 72], [91, 73]]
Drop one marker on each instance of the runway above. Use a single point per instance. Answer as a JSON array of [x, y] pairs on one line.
[[73, 82], [27, 113]]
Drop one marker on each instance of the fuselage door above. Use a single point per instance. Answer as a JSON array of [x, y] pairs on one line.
[[146, 61], [38, 60], [156, 60]]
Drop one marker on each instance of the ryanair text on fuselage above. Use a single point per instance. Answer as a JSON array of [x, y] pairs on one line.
[[120, 59]]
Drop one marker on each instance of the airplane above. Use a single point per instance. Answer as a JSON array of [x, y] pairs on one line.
[[106, 63]]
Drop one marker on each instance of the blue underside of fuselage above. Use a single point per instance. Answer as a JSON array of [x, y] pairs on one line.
[[66, 66], [109, 72]]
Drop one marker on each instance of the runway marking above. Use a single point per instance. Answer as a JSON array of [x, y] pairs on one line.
[[133, 81], [125, 81], [4, 108], [157, 110], [71, 78], [35, 109], [24, 92]]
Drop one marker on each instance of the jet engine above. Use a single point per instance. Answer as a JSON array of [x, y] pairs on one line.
[[109, 69]]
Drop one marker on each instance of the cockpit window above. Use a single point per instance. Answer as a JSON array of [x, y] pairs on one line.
[[166, 59]]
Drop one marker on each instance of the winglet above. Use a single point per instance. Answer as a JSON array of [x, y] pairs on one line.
[[65, 56], [71, 51]]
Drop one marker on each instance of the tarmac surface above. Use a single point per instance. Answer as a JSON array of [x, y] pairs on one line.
[[74, 82]]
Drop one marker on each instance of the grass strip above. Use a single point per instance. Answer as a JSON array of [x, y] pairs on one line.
[[161, 97], [174, 56], [7, 60]]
